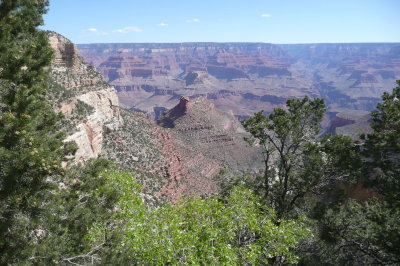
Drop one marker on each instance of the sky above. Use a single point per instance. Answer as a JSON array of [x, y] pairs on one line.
[[271, 21]]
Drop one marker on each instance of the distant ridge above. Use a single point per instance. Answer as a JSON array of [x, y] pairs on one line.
[[247, 77]]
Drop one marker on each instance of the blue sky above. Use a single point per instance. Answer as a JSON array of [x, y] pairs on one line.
[[273, 21]]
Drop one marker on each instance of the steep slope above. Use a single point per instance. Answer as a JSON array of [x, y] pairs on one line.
[[200, 128], [89, 104], [96, 123], [184, 155], [144, 149]]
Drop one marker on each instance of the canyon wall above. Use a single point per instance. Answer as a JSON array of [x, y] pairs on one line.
[[89, 104], [168, 162], [247, 77], [242, 77]]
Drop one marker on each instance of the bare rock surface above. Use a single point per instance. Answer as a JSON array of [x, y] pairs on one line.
[[80, 93], [200, 128], [247, 77]]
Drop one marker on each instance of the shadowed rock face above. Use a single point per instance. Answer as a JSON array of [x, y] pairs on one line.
[[247, 77], [182, 155], [175, 113]]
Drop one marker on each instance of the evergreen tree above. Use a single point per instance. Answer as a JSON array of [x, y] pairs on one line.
[[83, 201], [31, 149], [382, 148], [366, 232], [291, 153]]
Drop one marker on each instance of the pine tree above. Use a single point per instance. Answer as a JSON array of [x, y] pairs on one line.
[[382, 148], [291, 155], [31, 149], [368, 232]]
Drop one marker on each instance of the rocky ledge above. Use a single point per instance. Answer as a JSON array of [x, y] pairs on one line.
[[89, 104]]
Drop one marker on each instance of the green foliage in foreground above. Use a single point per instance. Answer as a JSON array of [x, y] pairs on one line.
[[72, 210], [31, 147], [303, 173], [235, 230], [382, 148], [361, 234]]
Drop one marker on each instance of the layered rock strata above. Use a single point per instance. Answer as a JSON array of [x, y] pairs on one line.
[[169, 161], [200, 128], [89, 104], [247, 77]]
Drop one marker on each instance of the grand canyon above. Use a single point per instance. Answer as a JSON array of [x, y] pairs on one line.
[[176, 134], [196, 93], [179, 154], [247, 77]]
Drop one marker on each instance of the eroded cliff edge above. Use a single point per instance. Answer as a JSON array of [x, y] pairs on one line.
[[89, 104]]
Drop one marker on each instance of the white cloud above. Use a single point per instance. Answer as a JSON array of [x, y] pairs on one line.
[[95, 31], [127, 30], [193, 20], [162, 24], [266, 15]]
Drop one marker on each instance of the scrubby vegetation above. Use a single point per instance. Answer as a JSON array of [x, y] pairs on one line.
[[136, 149], [300, 211]]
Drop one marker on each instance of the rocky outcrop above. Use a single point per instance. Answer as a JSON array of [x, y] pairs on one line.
[[89, 104], [166, 166], [351, 123], [200, 128], [89, 133], [182, 155]]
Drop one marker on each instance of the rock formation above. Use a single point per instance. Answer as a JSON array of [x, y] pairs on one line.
[[89, 104], [200, 128], [230, 74], [247, 77], [181, 159], [184, 155]]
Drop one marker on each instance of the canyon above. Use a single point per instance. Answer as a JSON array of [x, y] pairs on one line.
[[181, 155], [195, 94], [247, 77], [79, 92]]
